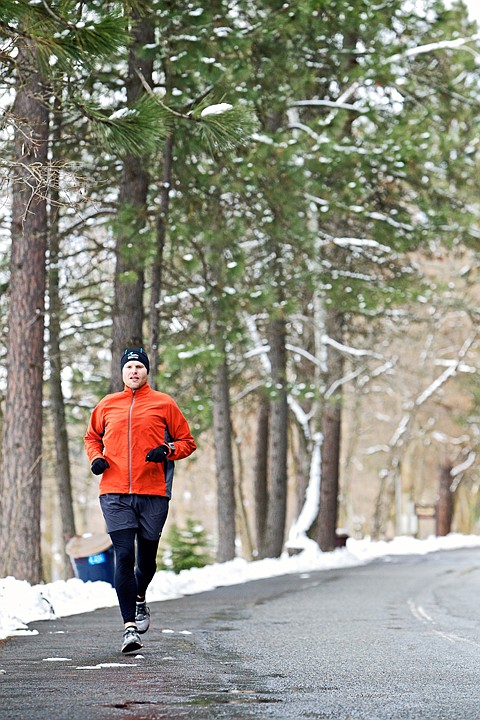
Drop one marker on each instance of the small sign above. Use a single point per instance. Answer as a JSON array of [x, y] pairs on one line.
[[96, 559], [425, 511]]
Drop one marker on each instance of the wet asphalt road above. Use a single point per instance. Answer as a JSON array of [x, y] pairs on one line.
[[394, 639]]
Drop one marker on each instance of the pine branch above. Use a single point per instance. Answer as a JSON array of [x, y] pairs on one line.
[[101, 39], [85, 43], [61, 39], [225, 129], [137, 129], [221, 126]]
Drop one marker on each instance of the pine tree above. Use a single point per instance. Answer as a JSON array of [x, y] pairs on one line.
[[187, 547], [32, 31], [22, 443]]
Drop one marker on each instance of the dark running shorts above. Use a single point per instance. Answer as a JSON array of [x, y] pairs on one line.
[[145, 513]]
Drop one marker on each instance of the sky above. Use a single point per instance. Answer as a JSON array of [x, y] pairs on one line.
[[473, 9], [22, 603]]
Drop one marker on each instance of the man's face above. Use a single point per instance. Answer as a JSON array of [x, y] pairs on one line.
[[134, 374]]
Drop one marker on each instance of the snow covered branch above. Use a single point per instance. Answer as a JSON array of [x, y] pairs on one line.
[[360, 243], [448, 373], [458, 470], [302, 417], [305, 354], [461, 368], [432, 47], [357, 352], [342, 381], [388, 365], [297, 537], [337, 104], [259, 348], [406, 420], [431, 390], [315, 136]]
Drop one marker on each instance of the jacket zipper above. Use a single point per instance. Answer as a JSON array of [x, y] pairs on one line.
[[130, 474]]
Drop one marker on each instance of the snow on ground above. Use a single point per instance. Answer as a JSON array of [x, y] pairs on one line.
[[22, 603]]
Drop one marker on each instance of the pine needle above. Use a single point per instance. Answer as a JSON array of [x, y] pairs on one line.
[[225, 131], [138, 129]]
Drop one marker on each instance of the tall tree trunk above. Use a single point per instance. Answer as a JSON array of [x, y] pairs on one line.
[[161, 230], [331, 429], [278, 441], [62, 455], [445, 503], [222, 428], [128, 315], [260, 487], [241, 514], [21, 478], [325, 526]]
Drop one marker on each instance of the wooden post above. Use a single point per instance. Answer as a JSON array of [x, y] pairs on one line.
[[445, 503]]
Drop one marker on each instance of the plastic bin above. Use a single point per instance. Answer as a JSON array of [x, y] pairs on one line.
[[92, 557]]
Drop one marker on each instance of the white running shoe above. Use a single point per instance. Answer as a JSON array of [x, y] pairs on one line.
[[131, 640], [142, 617]]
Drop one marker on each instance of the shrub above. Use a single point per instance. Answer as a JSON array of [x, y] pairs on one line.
[[186, 548]]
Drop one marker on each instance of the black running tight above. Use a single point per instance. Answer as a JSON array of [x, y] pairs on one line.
[[131, 581]]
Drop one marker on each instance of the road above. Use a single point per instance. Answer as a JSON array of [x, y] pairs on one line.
[[396, 639]]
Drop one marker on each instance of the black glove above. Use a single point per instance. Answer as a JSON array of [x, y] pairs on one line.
[[158, 454], [99, 465]]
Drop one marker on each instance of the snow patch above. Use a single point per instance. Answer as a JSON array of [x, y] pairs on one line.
[[216, 109], [100, 666]]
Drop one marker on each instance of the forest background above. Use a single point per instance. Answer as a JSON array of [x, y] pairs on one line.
[[279, 201]]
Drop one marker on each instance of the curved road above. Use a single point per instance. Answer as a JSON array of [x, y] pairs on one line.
[[396, 639]]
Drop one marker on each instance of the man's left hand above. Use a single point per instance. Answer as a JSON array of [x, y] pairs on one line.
[[158, 454]]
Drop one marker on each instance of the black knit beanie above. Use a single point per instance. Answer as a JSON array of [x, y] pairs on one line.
[[135, 354]]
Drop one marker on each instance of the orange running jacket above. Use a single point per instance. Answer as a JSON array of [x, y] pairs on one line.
[[123, 427]]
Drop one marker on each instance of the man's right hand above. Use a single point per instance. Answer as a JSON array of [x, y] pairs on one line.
[[99, 465]]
